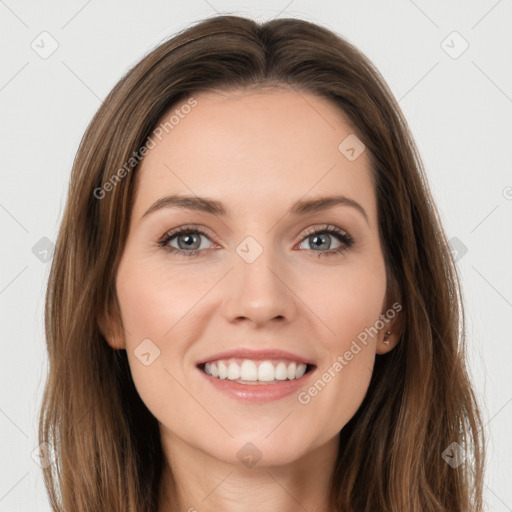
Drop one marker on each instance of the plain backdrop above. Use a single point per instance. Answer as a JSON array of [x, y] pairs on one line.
[[447, 63]]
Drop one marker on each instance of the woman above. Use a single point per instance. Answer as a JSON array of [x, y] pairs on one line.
[[252, 303]]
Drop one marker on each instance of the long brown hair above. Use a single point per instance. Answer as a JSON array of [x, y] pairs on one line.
[[105, 443]]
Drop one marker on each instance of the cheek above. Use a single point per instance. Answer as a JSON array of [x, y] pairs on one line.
[[349, 308], [156, 306], [340, 389], [347, 304], [153, 300]]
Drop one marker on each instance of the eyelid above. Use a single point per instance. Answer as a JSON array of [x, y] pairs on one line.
[[324, 227], [193, 228], [343, 236], [190, 228]]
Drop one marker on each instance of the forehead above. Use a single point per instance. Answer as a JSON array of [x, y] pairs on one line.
[[251, 149]]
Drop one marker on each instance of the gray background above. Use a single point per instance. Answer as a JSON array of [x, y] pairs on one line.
[[459, 107]]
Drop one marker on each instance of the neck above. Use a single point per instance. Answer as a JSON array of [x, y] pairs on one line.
[[194, 481]]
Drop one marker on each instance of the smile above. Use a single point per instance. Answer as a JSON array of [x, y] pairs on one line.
[[248, 371]]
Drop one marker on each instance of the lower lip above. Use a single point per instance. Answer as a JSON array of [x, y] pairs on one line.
[[258, 392]]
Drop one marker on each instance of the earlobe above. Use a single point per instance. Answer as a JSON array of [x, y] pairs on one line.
[[111, 331], [387, 341], [390, 335]]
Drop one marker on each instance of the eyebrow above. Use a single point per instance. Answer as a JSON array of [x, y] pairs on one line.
[[214, 207]]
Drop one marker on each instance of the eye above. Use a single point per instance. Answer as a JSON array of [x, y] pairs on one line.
[[320, 238], [189, 241]]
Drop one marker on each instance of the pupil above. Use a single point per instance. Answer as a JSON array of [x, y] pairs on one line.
[[189, 240], [321, 239]]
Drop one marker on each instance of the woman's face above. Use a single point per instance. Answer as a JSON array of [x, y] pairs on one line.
[[259, 288]]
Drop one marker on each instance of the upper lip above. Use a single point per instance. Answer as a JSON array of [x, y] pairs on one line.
[[257, 355]]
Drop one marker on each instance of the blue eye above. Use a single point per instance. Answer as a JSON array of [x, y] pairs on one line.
[[189, 237], [189, 240], [317, 238]]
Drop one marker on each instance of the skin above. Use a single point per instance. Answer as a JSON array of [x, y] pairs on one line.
[[257, 152]]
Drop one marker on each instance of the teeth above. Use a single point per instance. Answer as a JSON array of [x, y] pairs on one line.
[[223, 371], [250, 371], [266, 371], [292, 370], [301, 370], [233, 371], [281, 372]]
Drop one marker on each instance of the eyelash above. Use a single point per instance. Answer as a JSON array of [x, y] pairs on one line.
[[346, 240]]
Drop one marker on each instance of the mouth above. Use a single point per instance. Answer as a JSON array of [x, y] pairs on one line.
[[256, 372]]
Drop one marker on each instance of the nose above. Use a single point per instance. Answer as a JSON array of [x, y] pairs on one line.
[[259, 292]]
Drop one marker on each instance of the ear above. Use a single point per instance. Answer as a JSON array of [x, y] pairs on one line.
[[394, 324], [109, 324], [393, 338]]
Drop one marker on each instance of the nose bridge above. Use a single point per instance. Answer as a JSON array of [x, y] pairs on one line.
[[257, 288]]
